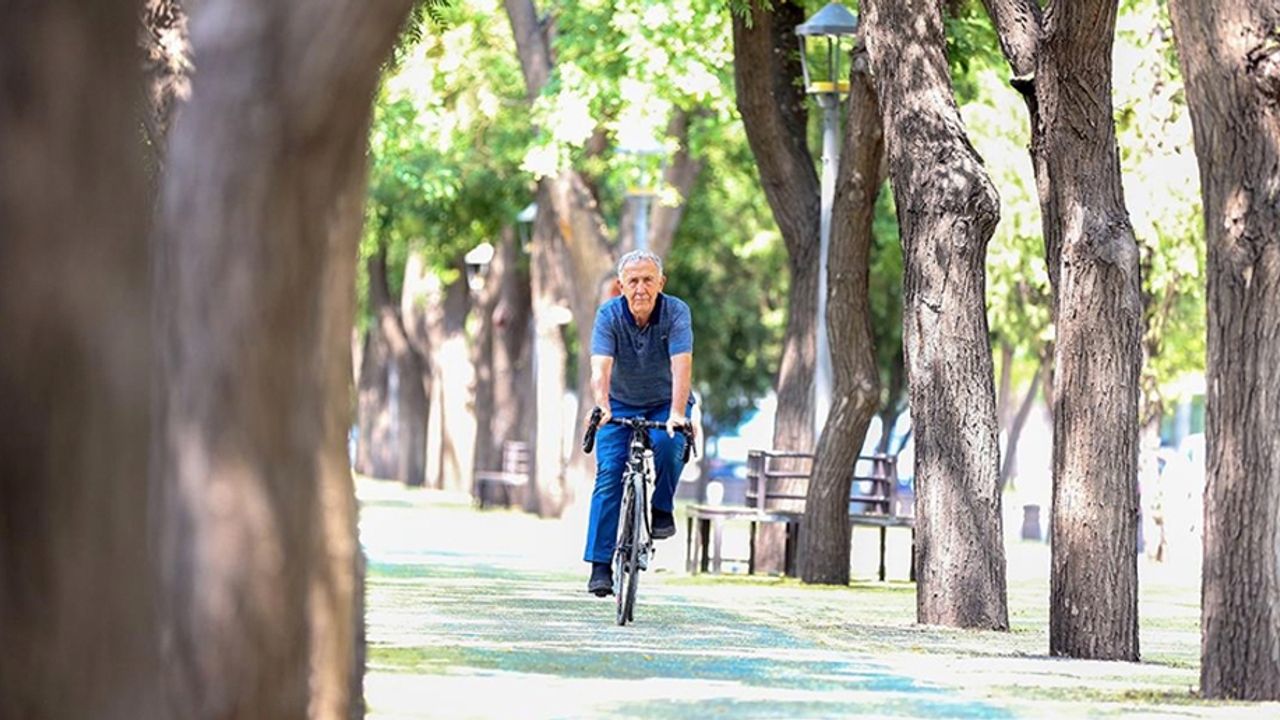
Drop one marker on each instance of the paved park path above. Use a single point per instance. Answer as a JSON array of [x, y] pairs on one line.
[[485, 615]]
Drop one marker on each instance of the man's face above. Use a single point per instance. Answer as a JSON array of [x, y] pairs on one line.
[[641, 283]]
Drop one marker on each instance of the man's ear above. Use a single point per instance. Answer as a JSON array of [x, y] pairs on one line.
[[662, 282]]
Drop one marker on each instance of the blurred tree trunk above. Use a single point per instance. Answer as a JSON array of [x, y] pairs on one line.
[[893, 406], [263, 199], [77, 611], [437, 315], [1015, 427], [376, 442], [775, 115], [394, 385], [503, 370], [1062, 66], [1004, 388], [825, 537], [947, 211], [1233, 87]]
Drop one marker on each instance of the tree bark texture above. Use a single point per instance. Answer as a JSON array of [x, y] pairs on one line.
[[1062, 63], [166, 65], [1233, 89], [77, 610], [262, 211], [947, 211], [825, 537], [1098, 329], [775, 116]]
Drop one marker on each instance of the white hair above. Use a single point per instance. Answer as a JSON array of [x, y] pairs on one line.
[[638, 256]]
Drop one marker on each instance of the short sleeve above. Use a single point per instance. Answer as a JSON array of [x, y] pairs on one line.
[[603, 341], [680, 339]]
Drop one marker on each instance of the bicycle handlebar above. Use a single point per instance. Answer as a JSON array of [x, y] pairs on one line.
[[589, 440]]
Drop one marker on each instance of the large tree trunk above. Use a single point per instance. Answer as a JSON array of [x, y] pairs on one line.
[[824, 546], [265, 177], [775, 115], [1233, 86], [1098, 318], [947, 211], [76, 569], [1062, 63]]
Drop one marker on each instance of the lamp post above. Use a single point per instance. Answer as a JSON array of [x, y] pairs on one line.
[[829, 37], [648, 162]]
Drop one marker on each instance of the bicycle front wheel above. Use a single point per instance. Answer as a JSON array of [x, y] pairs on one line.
[[624, 568], [637, 539]]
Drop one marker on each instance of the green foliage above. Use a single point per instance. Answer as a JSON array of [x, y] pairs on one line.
[[1161, 180], [729, 264], [446, 142]]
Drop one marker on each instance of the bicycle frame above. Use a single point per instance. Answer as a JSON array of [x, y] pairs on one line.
[[634, 547]]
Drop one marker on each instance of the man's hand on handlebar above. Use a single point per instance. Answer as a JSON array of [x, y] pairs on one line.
[[677, 422], [605, 416]]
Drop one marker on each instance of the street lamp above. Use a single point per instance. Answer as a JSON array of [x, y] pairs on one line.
[[647, 161], [829, 37], [477, 260]]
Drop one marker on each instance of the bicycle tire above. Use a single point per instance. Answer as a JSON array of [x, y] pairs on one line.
[[633, 580], [622, 565]]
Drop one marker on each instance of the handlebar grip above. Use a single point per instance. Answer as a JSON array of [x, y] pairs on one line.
[[589, 440], [688, 443]]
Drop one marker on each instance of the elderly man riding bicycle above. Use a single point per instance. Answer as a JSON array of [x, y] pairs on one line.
[[641, 366]]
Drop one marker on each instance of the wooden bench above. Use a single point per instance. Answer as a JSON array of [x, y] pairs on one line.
[[873, 501], [504, 487]]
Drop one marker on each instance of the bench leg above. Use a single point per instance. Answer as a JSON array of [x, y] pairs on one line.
[[913, 555], [789, 568], [883, 532], [751, 550], [718, 524], [704, 542], [690, 562]]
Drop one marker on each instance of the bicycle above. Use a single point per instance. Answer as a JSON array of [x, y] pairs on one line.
[[634, 548]]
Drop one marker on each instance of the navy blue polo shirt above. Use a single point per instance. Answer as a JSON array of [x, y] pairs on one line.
[[642, 355]]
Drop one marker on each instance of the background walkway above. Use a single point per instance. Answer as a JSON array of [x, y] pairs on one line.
[[486, 615]]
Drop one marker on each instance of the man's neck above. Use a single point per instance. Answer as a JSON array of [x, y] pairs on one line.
[[642, 320]]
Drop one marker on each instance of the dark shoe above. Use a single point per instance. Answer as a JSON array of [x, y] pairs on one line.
[[601, 583], [664, 524]]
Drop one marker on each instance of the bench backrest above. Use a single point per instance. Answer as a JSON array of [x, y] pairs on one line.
[[873, 490], [515, 457]]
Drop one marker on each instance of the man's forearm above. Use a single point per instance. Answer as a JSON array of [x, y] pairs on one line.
[[681, 381], [601, 372]]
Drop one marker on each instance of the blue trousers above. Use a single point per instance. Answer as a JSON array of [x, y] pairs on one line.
[[611, 459]]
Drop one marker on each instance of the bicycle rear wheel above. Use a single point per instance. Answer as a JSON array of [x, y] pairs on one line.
[[623, 557]]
